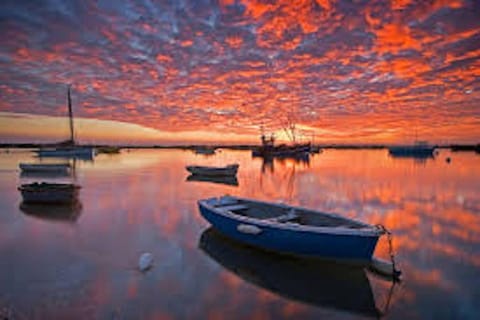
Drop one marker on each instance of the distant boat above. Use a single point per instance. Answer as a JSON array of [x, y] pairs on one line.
[[45, 167], [229, 170], [49, 192], [315, 149], [230, 180], [108, 150], [268, 149], [459, 147], [317, 282], [205, 150], [85, 153], [420, 149], [68, 148], [291, 230]]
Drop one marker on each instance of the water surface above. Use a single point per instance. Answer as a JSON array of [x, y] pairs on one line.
[[80, 263]]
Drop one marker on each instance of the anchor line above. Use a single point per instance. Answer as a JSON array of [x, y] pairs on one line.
[[395, 272]]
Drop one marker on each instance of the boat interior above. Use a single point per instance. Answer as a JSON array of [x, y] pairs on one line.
[[284, 214]]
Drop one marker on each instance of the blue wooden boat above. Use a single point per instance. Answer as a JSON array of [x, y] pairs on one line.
[[291, 230]]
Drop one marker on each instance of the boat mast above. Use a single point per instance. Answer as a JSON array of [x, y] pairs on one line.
[[70, 115]]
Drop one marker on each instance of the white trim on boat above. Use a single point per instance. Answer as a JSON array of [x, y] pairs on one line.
[[369, 230]]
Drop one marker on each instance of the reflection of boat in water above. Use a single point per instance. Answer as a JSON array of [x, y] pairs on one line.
[[47, 168], [68, 212], [320, 283], [68, 148], [420, 149], [229, 170], [228, 180], [49, 192], [291, 230]]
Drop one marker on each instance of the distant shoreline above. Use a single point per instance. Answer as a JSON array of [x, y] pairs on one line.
[[454, 147]]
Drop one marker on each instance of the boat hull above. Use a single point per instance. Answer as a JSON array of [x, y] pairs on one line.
[[44, 168], [81, 153], [292, 239], [213, 171], [411, 151], [49, 193]]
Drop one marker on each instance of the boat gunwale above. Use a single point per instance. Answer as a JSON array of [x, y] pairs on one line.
[[229, 166], [37, 167], [46, 187], [368, 231]]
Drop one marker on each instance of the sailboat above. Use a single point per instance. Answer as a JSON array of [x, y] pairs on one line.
[[68, 148], [420, 149]]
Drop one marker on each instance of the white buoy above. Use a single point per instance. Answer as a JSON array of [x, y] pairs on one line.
[[145, 262]]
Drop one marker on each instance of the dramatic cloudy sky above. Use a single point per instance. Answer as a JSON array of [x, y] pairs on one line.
[[343, 71]]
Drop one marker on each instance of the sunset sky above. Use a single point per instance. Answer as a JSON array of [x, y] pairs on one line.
[[215, 71]]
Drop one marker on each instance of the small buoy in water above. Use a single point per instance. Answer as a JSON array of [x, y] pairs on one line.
[[145, 262], [448, 159]]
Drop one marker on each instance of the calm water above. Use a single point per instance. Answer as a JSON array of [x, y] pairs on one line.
[[81, 262]]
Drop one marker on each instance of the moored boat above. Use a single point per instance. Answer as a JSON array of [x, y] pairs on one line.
[[84, 153], [45, 167], [229, 170], [68, 148], [49, 192], [291, 230], [420, 149], [205, 150], [268, 149]]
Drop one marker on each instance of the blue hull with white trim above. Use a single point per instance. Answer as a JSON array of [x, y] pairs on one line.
[[291, 230]]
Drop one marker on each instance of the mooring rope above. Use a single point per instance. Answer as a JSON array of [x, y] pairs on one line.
[[384, 230]]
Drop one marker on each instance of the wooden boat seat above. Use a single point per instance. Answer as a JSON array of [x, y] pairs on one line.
[[291, 215], [234, 207]]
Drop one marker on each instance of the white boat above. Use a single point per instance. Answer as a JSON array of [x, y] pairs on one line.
[[229, 170], [45, 167], [68, 149], [49, 192]]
